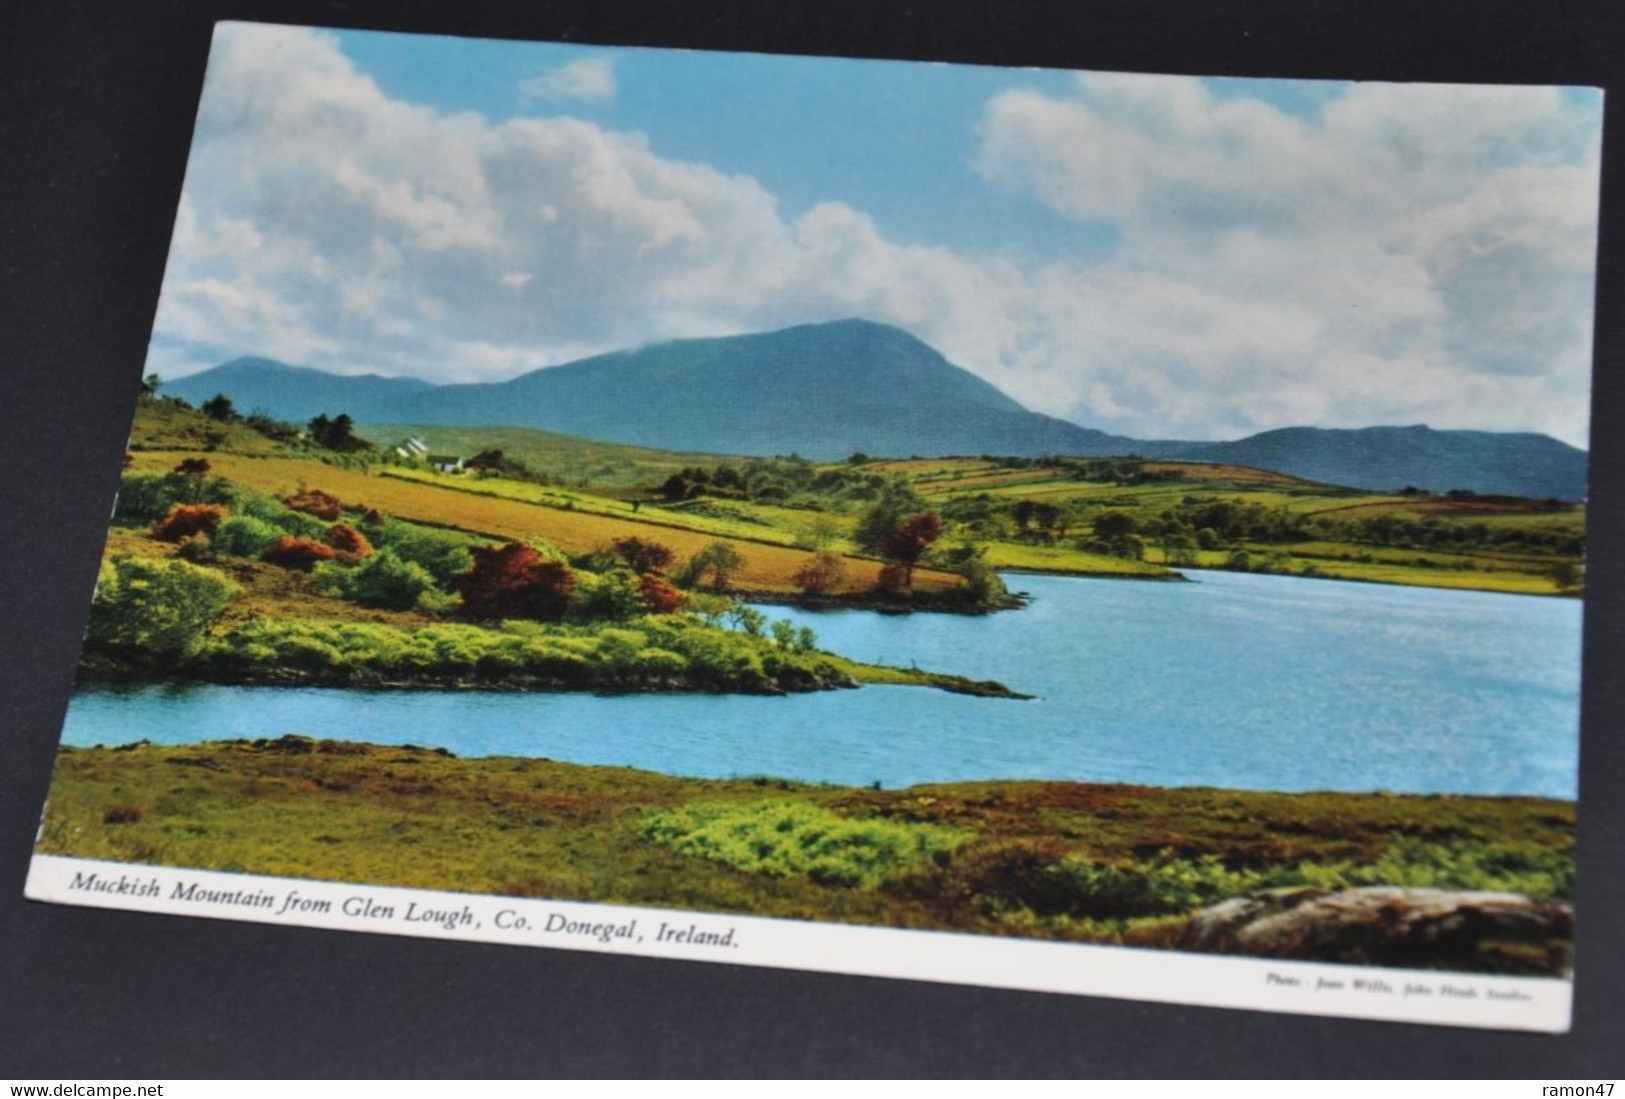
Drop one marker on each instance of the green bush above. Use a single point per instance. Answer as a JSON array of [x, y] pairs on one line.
[[244, 536], [381, 580], [287, 521], [445, 556], [145, 498], [612, 596], [156, 608], [1418, 864], [798, 838]]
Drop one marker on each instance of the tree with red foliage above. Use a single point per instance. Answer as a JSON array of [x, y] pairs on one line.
[[299, 554], [351, 543], [658, 594], [905, 544], [642, 555], [514, 581], [185, 520]]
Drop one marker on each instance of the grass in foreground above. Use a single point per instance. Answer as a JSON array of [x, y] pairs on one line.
[[1103, 863]]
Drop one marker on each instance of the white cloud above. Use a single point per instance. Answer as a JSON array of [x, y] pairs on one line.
[[1413, 253], [1410, 254], [591, 79]]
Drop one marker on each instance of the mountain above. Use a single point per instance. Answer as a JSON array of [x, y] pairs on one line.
[[823, 391], [1509, 463], [298, 393], [829, 390]]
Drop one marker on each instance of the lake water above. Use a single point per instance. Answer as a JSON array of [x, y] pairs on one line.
[[1257, 682]]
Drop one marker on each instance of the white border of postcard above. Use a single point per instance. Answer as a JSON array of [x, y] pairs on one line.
[[1303, 988]]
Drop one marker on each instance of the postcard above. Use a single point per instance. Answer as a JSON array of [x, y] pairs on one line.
[[1086, 532]]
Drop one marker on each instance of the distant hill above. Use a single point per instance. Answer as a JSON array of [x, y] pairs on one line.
[[1513, 464], [298, 393], [825, 391]]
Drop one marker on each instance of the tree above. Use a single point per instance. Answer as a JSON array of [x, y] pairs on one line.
[[1567, 575], [819, 533], [720, 560], [219, 407], [514, 581], [150, 385], [643, 555], [492, 459], [337, 434], [747, 619], [1110, 525], [907, 542]]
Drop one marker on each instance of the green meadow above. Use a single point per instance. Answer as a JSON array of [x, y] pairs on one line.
[[1064, 861]]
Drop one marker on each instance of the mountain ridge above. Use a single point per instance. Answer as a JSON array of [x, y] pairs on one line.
[[828, 390]]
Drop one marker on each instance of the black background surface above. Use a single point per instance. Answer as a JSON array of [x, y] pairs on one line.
[[96, 108]]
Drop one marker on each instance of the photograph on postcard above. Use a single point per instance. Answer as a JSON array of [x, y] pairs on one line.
[[1093, 532]]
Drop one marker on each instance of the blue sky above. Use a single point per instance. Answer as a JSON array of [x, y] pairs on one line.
[[787, 121], [1161, 256]]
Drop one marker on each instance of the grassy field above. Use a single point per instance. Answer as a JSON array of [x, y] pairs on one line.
[[768, 568], [587, 492], [567, 460], [1040, 859], [1455, 541]]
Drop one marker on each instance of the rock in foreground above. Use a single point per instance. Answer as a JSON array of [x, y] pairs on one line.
[[1389, 926]]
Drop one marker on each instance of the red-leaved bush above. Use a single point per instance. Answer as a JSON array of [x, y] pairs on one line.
[[297, 553], [658, 594], [643, 555], [313, 501], [514, 581], [185, 520], [350, 543]]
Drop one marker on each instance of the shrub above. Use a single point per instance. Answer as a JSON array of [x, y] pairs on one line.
[[801, 839], [124, 812], [144, 498], [643, 555], [446, 556], [350, 542], [313, 501], [185, 520], [895, 577], [270, 510], [382, 580], [244, 536], [514, 581], [658, 595], [196, 548], [613, 596], [981, 580], [156, 608], [823, 574], [300, 554]]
